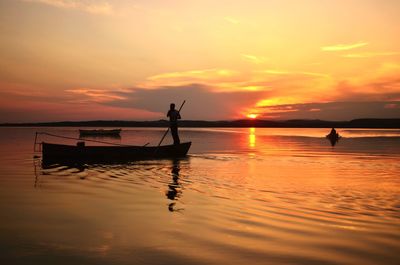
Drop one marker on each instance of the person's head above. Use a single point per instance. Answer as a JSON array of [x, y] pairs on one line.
[[172, 106]]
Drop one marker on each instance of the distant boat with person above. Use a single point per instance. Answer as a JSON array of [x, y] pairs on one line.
[[333, 137], [100, 132]]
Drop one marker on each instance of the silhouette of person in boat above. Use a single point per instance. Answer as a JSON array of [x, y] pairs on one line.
[[333, 137], [174, 116]]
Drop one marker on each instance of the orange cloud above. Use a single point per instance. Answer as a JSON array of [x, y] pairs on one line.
[[195, 74], [392, 106], [276, 72], [43, 111], [96, 95], [332, 110], [374, 83], [218, 78], [275, 101], [285, 72]]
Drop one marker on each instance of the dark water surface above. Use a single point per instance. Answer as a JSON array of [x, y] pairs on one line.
[[242, 196]]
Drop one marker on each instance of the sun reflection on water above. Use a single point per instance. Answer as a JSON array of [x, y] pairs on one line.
[[252, 137]]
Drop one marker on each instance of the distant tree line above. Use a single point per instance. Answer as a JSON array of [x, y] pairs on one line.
[[357, 123]]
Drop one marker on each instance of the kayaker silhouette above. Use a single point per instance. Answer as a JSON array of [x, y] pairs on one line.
[[174, 116], [333, 137]]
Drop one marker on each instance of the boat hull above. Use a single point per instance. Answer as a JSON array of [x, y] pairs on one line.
[[81, 153]]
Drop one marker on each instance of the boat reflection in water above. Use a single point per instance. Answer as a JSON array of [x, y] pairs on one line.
[[333, 141], [116, 170]]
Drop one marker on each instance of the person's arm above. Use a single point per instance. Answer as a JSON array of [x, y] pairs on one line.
[[168, 113], [179, 116]]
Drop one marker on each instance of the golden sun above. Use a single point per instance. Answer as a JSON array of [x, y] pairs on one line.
[[252, 116]]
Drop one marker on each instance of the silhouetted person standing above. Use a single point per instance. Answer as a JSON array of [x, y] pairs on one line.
[[174, 116]]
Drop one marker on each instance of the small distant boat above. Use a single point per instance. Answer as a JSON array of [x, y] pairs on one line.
[[333, 138], [82, 153], [100, 132]]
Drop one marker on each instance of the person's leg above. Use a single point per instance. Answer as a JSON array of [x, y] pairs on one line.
[[175, 136]]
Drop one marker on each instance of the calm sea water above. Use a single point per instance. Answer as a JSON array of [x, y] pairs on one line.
[[242, 196]]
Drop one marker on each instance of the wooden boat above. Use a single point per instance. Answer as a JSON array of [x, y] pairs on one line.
[[82, 153], [100, 132]]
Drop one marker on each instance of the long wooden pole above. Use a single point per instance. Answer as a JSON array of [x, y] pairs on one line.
[[162, 139]]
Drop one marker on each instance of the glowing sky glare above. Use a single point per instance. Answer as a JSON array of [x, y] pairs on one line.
[[81, 60]]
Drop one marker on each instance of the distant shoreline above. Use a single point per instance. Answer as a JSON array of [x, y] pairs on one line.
[[356, 123]]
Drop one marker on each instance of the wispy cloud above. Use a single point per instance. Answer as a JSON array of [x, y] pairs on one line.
[[275, 101], [90, 6], [314, 74], [213, 77], [343, 47], [203, 74], [284, 72], [231, 20], [219, 79], [253, 58], [276, 72], [281, 109], [96, 95], [369, 54]]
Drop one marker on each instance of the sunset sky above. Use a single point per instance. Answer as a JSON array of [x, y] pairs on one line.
[[129, 59]]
